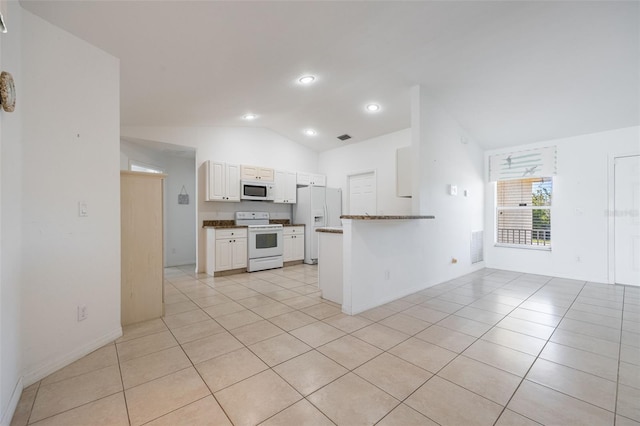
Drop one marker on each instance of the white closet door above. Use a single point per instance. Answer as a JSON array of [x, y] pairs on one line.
[[362, 194], [627, 220]]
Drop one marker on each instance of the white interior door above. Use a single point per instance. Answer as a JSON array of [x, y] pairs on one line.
[[627, 220], [362, 194]]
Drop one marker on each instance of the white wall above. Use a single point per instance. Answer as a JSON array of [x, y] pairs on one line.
[[131, 151], [440, 159], [70, 147], [10, 222], [239, 145], [579, 215], [179, 219], [377, 154]]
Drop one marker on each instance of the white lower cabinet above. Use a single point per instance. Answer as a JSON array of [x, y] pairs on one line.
[[226, 249], [293, 243]]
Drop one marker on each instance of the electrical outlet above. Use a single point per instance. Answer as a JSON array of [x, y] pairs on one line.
[[387, 274], [82, 312]]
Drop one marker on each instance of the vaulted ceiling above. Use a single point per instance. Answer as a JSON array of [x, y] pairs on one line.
[[509, 72]]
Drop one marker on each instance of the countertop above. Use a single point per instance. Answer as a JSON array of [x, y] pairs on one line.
[[222, 224], [330, 230], [365, 217]]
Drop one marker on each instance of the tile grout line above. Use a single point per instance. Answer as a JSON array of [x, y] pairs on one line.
[[279, 277], [457, 354], [397, 312], [537, 356], [555, 390], [124, 395], [615, 409], [33, 403], [249, 349], [434, 374], [194, 366]]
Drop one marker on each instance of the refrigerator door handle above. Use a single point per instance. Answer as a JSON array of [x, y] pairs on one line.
[[326, 215]]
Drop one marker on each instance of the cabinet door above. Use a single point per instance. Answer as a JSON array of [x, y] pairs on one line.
[[224, 255], [287, 247], [265, 174], [290, 188], [232, 182], [318, 180], [239, 253], [285, 183], [216, 188], [303, 179], [280, 186], [248, 172], [298, 247]]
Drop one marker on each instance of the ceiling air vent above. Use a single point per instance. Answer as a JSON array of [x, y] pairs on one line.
[[344, 137]]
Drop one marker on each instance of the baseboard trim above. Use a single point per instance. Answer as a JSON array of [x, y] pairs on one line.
[[13, 404], [43, 370], [359, 309]]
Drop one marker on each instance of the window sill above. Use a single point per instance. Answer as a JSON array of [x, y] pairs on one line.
[[522, 246]]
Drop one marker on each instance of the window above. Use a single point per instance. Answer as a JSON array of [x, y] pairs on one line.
[[137, 166], [524, 212]]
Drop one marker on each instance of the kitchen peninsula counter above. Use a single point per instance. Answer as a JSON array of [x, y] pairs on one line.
[[383, 258], [330, 230], [389, 217]]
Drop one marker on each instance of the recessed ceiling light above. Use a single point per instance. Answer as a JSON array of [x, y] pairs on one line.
[[373, 107], [249, 116], [306, 79], [310, 132]]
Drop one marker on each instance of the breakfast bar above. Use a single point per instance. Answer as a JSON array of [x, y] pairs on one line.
[[382, 260]]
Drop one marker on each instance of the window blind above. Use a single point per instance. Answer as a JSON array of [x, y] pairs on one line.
[[539, 162]]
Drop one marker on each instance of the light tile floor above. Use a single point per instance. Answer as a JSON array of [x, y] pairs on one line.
[[489, 348]]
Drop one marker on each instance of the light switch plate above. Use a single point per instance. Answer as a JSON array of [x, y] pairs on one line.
[[83, 209], [453, 190]]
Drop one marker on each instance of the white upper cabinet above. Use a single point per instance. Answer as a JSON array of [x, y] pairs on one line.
[[285, 187], [311, 179], [223, 181], [257, 173]]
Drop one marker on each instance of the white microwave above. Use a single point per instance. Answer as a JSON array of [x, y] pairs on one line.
[[257, 191]]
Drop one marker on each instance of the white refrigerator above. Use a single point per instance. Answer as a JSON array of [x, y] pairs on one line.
[[316, 207]]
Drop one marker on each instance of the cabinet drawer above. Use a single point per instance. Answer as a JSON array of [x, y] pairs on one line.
[[293, 230], [231, 233]]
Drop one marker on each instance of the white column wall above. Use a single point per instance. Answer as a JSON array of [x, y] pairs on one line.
[[445, 154], [70, 153], [11, 362]]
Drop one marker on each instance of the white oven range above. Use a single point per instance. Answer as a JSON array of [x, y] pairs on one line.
[[265, 250]]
